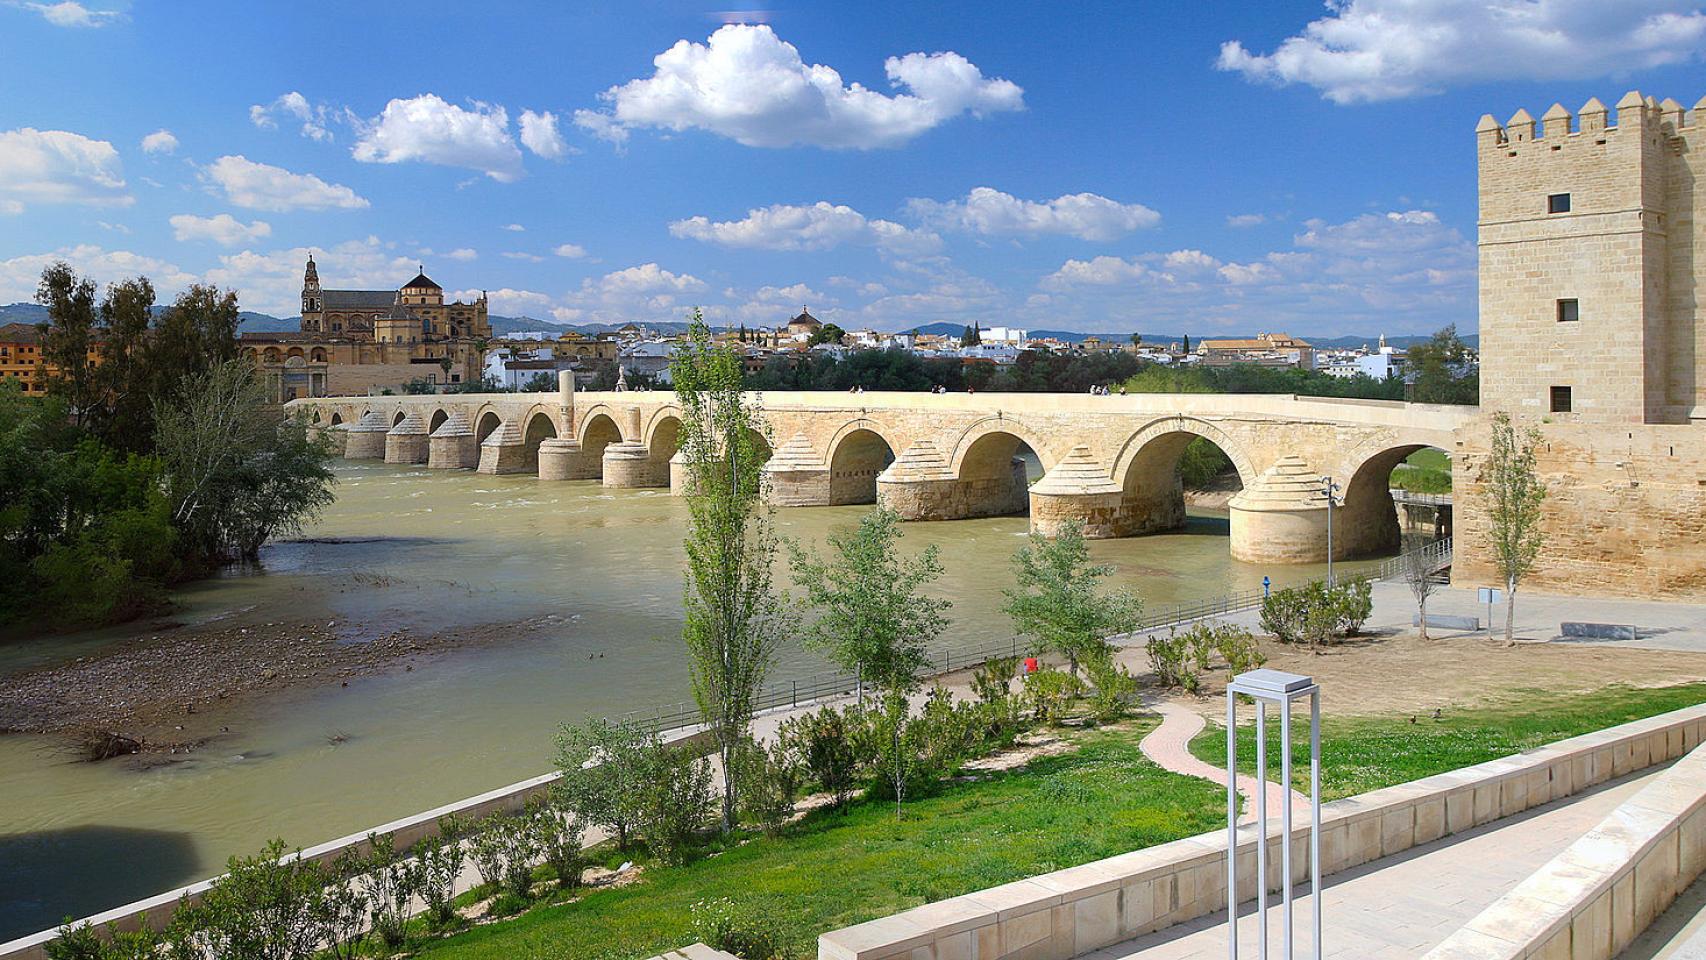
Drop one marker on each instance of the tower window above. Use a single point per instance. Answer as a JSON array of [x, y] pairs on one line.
[[1560, 399], [1558, 203], [1569, 311]]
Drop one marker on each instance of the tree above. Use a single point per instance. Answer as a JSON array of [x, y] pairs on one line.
[[606, 767], [972, 336], [1187, 344], [69, 337], [828, 333], [1137, 339], [1444, 370], [733, 617], [1419, 574], [1514, 497], [1057, 602]]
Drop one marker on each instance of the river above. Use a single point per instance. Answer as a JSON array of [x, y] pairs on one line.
[[430, 551]]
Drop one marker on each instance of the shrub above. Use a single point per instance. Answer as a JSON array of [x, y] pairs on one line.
[[1114, 687], [388, 883], [1237, 646], [1170, 659], [1049, 692], [1316, 613], [771, 779], [264, 907], [822, 743], [1283, 613], [944, 734], [503, 850], [1354, 603], [738, 929], [992, 680], [342, 910], [438, 862], [678, 803], [606, 768], [76, 943], [559, 837]]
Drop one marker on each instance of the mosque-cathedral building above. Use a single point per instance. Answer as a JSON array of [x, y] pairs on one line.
[[370, 341]]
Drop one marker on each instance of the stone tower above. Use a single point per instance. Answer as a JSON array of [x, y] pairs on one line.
[[1590, 252], [312, 298]]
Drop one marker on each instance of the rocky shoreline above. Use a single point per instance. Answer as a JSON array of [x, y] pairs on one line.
[[168, 693]]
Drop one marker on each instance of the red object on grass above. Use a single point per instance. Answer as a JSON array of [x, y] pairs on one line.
[[1030, 664]]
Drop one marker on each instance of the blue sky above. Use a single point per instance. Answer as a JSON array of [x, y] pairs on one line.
[[1200, 168]]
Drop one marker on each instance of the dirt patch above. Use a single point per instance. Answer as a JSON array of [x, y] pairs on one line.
[[1401, 673], [165, 692], [1027, 747]]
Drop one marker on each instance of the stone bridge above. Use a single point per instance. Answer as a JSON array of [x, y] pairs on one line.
[[1110, 461]]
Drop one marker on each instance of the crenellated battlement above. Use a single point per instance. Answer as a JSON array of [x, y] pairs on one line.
[[1635, 112]]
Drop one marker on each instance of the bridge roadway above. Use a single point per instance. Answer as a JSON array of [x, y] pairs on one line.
[[1109, 461]]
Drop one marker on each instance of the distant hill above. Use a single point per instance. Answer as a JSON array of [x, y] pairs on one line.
[[510, 326]]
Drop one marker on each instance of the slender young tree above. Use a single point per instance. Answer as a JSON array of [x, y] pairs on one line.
[[1515, 493], [874, 618], [1058, 603], [69, 337], [734, 619], [1419, 574]]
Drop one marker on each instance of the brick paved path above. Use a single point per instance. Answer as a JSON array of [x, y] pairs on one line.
[[1169, 746]]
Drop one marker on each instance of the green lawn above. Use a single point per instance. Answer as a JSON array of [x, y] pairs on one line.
[[1365, 753], [1425, 471], [833, 870]]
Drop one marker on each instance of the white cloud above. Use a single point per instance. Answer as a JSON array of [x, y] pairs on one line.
[[1099, 271], [986, 210], [520, 255], [1246, 273], [224, 229], [428, 129], [461, 253], [160, 141], [567, 314], [645, 278], [55, 166], [271, 281], [1368, 50], [508, 301], [571, 251], [20, 275], [1246, 219], [749, 85], [820, 226], [68, 13], [515, 228], [539, 134], [316, 120], [1189, 260], [260, 186]]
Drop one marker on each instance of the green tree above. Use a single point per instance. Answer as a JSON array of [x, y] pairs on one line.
[[265, 907], [828, 333], [1057, 601], [606, 767], [1515, 494], [972, 336], [69, 337], [733, 617], [1444, 370]]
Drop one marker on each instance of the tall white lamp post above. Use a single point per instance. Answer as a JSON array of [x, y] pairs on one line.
[[1280, 689], [1330, 490]]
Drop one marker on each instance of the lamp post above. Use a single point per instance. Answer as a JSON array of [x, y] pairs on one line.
[[1281, 690], [1330, 490]]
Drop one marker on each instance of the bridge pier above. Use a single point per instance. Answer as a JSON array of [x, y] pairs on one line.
[[920, 485], [407, 442], [798, 477], [366, 438], [628, 465], [1078, 488], [336, 436], [504, 450], [1282, 517], [561, 458], [679, 475], [453, 445]]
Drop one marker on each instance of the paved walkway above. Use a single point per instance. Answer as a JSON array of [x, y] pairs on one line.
[[1403, 906], [1679, 933], [1169, 746]]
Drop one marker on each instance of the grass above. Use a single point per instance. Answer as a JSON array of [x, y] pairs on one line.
[[833, 870], [1365, 753], [1425, 471]]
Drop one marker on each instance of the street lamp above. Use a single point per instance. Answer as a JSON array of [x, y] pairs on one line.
[[1330, 490]]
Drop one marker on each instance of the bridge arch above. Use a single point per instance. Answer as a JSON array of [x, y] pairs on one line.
[[437, 420], [663, 442], [858, 453], [540, 427], [397, 417], [1173, 435], [597, 431], [489, 421], [1368, 516]]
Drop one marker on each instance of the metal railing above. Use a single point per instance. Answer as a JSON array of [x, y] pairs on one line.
[[1429, 499], [788, 694]]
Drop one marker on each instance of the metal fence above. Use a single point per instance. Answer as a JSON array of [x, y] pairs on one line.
[[787, 694]]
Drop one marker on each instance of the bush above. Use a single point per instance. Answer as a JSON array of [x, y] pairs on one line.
[[503, 849], [738, 929], [559, 837], [1283, 613], [992, 680], [771, 783], [1049, 692], [388, 884], [76, 943], [438, 862], [1237, 646], [606, 768], [1316, 613], [823, 745], [1353, 602], [265, 907], [1114, 688], [1170, 658], [678, 803]]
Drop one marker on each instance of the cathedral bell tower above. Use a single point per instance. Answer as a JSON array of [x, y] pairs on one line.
[[311, 322]]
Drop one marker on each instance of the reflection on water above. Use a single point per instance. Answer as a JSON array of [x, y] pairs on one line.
[[404, 548]]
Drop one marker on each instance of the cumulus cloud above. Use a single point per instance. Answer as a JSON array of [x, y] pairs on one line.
[[430, 130], [260, 186], [539, 134], [985, 210], [315, 119], [224, 229], [160, 141], [820, 226], [508, 301], [1246, 220], [1368, 50], [747, 84], [522, 255], [645, 278], [68, 13], [56, 166], [515, 228], [20, 275], [572, 251]]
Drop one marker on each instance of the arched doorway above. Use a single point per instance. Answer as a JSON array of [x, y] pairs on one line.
[[859, 456], [1398, 497], [489, 421]]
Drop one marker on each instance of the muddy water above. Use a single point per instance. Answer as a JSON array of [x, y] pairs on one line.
[[596, 572]]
